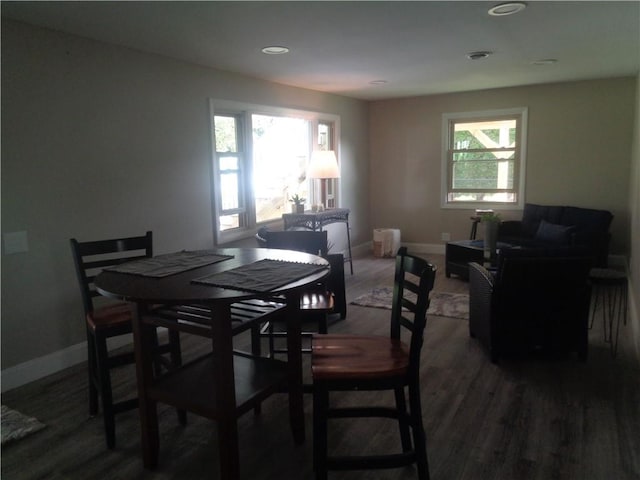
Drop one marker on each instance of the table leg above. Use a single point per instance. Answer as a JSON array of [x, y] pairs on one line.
[[294, 364], [144, 339], [225, 396]]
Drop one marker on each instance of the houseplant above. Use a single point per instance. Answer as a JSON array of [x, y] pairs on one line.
[[298, 204]]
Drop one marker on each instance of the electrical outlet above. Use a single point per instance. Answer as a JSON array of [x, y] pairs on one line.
[[446, 236], [15, 242]]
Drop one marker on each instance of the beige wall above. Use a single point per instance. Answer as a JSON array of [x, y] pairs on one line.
[[100, 141], [579, 150]]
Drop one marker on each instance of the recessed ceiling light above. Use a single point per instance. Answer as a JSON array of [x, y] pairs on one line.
[[478, 55], [545, 61], [377, 82], [504, 9], [275, 50]]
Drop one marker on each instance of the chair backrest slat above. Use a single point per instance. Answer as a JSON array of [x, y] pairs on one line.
[[312, 242], [91, 257], [413, 282]]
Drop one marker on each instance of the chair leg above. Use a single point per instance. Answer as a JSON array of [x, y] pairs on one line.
[[271, 341], [175, 354], [93, 374], [320, 421], [323, 324], [157, 364], [106, 397], [256, 346], [419, 436], [175, 351], [401, 406], [256, 350]]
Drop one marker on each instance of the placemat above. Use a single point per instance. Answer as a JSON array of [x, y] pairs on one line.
[[169, 264], [261, 276]]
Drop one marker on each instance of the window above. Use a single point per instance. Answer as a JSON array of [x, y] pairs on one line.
[[260, 161], [484, 158]]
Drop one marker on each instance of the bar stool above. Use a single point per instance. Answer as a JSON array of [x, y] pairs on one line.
[[610, 287]]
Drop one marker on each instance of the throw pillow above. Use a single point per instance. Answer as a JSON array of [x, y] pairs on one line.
[[554, 233]]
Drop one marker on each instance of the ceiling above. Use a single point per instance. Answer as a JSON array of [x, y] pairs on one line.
[[417, 48]]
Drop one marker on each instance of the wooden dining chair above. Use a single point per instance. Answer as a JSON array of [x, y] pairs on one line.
[[316, 303], [106, 319], [375, 363]]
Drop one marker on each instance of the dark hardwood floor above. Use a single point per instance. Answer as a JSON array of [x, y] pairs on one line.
[[535, 418]]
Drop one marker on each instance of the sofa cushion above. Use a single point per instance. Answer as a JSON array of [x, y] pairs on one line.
[[533, 214], [587, 220], [554, 233]]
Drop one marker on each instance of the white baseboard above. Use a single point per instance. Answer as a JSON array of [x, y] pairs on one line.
[[366, 249], [430, 248], [41, 367]]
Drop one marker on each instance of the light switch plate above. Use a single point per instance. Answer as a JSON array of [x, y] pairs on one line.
[[15, 242]]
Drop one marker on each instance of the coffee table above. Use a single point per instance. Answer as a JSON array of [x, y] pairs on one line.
[[459, 254]]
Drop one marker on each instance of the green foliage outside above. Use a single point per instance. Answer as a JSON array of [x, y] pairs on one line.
[[478, 170]]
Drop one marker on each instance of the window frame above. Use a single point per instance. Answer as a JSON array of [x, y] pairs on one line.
[[520, 114], [244, 111]]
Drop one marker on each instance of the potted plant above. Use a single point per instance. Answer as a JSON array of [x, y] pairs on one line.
[[490, 217], [491, 223], [298, 204]]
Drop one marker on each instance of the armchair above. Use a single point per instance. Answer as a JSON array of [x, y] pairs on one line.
[[535, 299]]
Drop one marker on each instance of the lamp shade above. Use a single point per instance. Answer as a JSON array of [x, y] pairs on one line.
[[323, 164]]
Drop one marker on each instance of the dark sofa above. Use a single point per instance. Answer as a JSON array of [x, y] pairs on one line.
[[558, 226]]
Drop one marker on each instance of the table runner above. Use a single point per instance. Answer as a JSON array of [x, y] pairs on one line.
[[169, 264], [261, 276]]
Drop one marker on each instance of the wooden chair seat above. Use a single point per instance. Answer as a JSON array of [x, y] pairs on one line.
[[338, 357], [110, 316], [317, 301]]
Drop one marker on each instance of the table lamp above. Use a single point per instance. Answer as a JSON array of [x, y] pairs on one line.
[[323, 166]]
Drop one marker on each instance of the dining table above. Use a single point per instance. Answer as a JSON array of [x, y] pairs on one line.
[[223, 384]]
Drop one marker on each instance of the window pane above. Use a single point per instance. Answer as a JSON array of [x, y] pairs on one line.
[[226, 138], [228, 222], [483, 156], [498, 197], [280, 155], [229, 191], [324, 137], [228, 163], [489, 134], [483, 175]]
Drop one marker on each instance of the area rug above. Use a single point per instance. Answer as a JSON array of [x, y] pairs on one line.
[[14, 425], [443, 304]]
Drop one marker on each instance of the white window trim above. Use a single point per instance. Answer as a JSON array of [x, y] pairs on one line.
[[221, 107], [446, 117]]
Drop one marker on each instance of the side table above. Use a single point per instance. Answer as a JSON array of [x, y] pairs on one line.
[[459, 254], [316, 220], [610, 287]]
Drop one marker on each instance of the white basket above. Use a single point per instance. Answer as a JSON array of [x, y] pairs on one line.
[[386, 242]]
